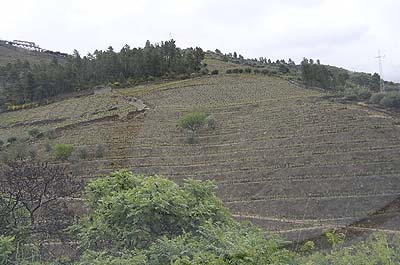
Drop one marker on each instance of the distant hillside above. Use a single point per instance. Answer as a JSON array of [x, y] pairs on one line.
[[11, 54], [337, 78]]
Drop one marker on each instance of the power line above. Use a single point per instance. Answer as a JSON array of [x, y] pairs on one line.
[[382, 83]]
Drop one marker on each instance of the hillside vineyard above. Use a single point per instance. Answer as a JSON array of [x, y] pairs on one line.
[[283, 157]]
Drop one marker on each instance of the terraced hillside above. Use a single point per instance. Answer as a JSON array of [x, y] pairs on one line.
[[283, 157]]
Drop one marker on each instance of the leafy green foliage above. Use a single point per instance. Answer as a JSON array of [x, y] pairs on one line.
[[220, 244], [133, 211], [13, 220], [7, 248], [63, 151], [371, 82], [283, 69], [265, 71], [103, 258], [377, 249], [316, 74], [357, 94], [376, 98], [34, 132], [386, 100], [152, 220], [193, 120], [391, 100]]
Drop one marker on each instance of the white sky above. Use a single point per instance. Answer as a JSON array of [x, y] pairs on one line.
[[346, 33]]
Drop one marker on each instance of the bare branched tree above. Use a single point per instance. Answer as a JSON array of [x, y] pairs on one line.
[[32, 185]]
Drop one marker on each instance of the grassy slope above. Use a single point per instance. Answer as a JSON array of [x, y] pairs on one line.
[[282, 156]]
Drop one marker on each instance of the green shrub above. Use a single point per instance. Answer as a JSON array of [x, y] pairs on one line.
[[355, 94], [265, 71], [376, 98], [283, 69], [214, 72], [17, 151], [247, 70], [103, 258], [240, 71], [7, 248], [377, 249], [166, 223], [82, 152], [256, 71], [193, 120], [51, 134], [63, 151], [364, 94], [34, 132], [1, 143], [128, 218], [229, 71], [391, 100], [99, 150], [235, 71]]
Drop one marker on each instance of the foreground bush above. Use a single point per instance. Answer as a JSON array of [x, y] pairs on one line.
[[377, 249], [6, 249], [152, 220], [135, 211]]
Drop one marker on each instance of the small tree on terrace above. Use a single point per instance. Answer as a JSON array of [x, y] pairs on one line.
[[193, 120]]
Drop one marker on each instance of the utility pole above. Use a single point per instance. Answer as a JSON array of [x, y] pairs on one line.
[[382, 83]]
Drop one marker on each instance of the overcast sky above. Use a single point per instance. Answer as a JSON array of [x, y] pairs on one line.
[[346, 33]]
